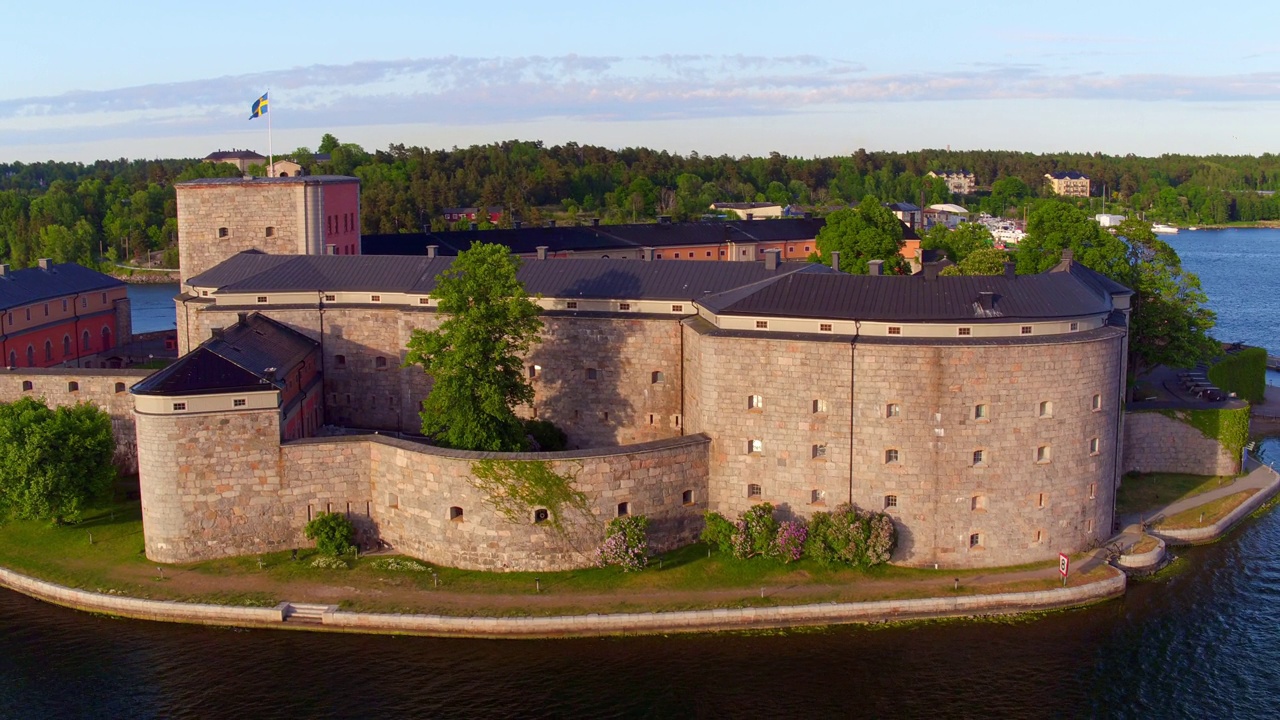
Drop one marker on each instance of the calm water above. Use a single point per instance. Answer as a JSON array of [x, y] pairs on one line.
[[1201, 643], [152, 307]]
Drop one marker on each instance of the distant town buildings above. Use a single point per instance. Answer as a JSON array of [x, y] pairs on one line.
[[908, 213], [749, 210], [242, 159], [959, 182], [1108, 221], [492, 213], [945, 214], [61, 315], [1068, 184]]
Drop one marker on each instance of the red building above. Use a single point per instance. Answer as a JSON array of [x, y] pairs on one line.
[[60, 315]]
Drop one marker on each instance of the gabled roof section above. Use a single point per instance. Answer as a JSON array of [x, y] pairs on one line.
[[252, 355], [242, 265], [34, 284], [1103, 285], [915, 298]]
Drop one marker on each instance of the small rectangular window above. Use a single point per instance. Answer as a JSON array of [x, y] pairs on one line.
[[535, 371], [755, 402], [239, 402], [1093, 491], [824, 327], [624, 306], [375, 298], [1097, 403], [180, 406], [262, 298], [892, 410], [817, 497], [1026, 329], [975, 540], [1042, 454], [572, 304], [890, 501], [890, 457], [592, 374], [677, 308], [964, 331], [819, 451], [686, 497], [979, 457], [819, 406], [980, 412], [424, 301], [895, 330], [330, 298], [1045, 409], [1075, 326], [1095, 446], [755, 447], [1040, 501], [762, 324]]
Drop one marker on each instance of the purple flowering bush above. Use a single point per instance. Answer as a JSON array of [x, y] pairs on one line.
[[788, 544], [851, 536], [751, 535], [626, 543]]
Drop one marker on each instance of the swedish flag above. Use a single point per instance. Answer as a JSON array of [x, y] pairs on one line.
[[259, 107]]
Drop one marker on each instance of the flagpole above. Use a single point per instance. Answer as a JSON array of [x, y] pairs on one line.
[[270, 157]]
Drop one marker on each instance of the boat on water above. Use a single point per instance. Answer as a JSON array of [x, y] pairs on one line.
[[1164, 229], [1193, 227]]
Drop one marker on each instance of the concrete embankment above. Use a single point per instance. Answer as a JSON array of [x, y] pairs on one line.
[[331, 619], [1209, 533]]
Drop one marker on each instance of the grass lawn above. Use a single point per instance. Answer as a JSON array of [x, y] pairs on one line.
[[1213, 512], [687, 578], [1144, 492]]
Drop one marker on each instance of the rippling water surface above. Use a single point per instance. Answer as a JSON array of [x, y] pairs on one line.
[[1202, 642]]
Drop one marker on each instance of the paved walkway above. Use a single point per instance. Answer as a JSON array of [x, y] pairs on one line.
[[1270, 405], [1258, 478]]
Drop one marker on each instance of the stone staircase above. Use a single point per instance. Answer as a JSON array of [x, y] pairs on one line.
[[305, 614]]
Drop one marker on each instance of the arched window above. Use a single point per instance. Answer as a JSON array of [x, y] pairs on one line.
[[119, 387], [48, 350], [73, 386], [31, 356], [380, 363], [455, 513], [271, 232], [66, 345], [84, 340], [106, 338]]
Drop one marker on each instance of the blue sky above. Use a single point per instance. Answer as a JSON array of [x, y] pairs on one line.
[[148, 79]]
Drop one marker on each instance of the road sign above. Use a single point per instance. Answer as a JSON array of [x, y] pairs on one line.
[[1064, 564]]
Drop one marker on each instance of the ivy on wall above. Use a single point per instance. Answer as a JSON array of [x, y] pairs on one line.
[[1243, 373], [1230, 427], [516, 488]]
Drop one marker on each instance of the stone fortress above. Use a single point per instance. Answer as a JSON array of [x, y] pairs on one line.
[[984, 414]]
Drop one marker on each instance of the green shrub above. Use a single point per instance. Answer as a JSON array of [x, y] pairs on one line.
[[546, 436], [399, 564], [333, 532], [1243, 373], [718, 532], [851, 536], [760, 530]]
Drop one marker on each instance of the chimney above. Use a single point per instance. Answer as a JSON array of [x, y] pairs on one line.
[[835, 260], [931, 270], [987, 300], [771, 258], [751, 216], [1067, 254], [475, 226], [551, 223], [595, 222], [875, 267], [432, 250], [516, 224], [542, 252], [647, 254], [46, 264], [1010, 269]]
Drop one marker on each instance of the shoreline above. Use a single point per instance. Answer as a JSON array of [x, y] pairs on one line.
[[326, 618]]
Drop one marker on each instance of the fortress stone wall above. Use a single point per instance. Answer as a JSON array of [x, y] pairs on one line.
[[1154, 442], [221, 484], [108, 389], [203, 210]]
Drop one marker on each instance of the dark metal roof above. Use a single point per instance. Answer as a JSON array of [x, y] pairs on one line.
[[234, 155], [622, 279], [253, 354], [23, 287], [1053, 294], [238, 267], [903, 207], [296, 180], [599, 238], [1067, 175]]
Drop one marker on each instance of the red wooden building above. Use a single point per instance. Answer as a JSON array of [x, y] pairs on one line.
[[60, 315]]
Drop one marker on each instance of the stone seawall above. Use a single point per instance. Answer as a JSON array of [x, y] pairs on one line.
[[1154, 442], [108, 389]]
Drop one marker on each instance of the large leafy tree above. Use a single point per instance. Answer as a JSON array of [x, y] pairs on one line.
[[1169, 323], [475, 357], [862, 234], [53, 463], [958, 243], [1054, 226], [983, 261]]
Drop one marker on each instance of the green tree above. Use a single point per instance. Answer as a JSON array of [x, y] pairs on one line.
[[1169, 324], [958, 243], [1054, 226], [328, 143], [983, 261], [475, 357], [862, 234], [53, 463]]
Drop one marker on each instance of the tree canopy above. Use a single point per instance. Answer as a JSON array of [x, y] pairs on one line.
[[475, 357], [960, 242], [1054, 226], [862, 234], [53, 463], [983, 261]]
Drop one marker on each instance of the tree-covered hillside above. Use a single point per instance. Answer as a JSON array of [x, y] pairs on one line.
[[124, 209]]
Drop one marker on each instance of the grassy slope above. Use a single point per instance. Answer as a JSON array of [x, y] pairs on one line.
[[1141, 493]]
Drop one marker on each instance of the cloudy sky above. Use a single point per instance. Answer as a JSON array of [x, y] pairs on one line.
[[82, 81]]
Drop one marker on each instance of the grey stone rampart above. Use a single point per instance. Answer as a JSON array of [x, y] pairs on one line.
[[1155, 442]]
